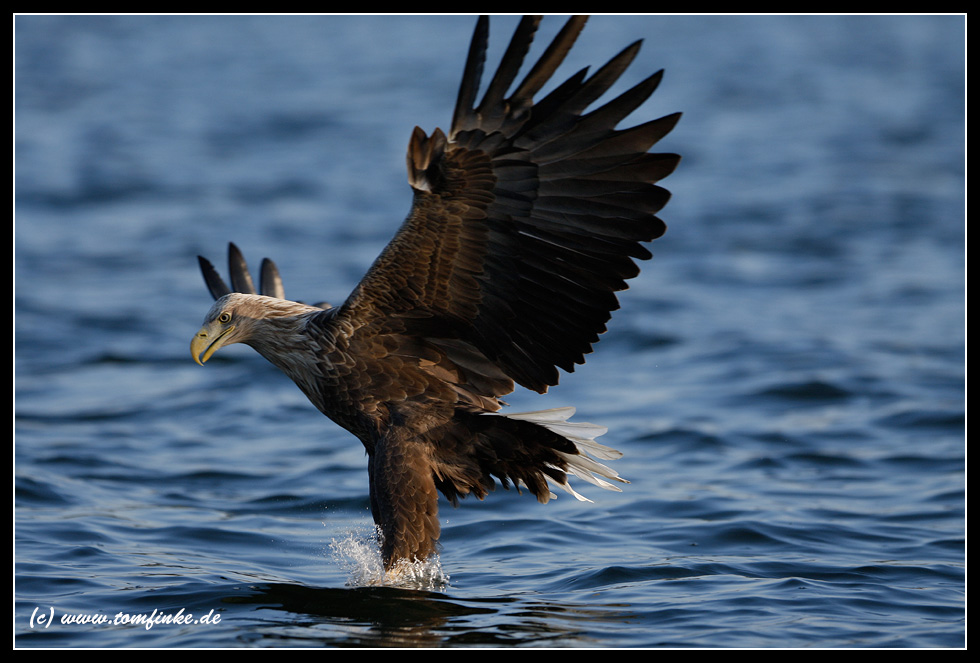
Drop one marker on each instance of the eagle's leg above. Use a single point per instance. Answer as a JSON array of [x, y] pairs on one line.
[[404, 501]]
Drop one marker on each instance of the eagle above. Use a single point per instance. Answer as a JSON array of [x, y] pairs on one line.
[[527, 217]]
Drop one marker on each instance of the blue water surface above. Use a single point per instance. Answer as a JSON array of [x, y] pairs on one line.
[[786, 377]]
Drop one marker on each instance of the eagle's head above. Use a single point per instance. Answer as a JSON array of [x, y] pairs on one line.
[[257, 320], [262, 318]]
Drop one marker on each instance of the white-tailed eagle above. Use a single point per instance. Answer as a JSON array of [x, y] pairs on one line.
[[527, 218]]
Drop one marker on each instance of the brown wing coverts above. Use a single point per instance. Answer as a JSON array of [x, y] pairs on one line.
[[528, 217]]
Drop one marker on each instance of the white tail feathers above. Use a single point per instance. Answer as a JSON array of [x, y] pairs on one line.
[[582, 464]]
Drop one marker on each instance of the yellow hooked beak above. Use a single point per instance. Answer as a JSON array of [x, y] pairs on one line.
[[208, 340]]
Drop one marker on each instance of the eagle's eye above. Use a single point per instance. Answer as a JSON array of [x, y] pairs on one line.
[[224, 318]]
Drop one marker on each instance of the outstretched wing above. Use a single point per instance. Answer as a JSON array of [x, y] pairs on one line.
[[526, 219]]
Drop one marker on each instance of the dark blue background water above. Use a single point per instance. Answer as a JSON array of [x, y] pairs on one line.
[[786, 377]]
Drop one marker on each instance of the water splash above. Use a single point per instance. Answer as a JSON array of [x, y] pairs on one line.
[[360, 555]]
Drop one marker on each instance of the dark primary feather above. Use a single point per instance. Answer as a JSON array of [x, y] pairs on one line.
[[241, 281], [270, 281], [527, 218]]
